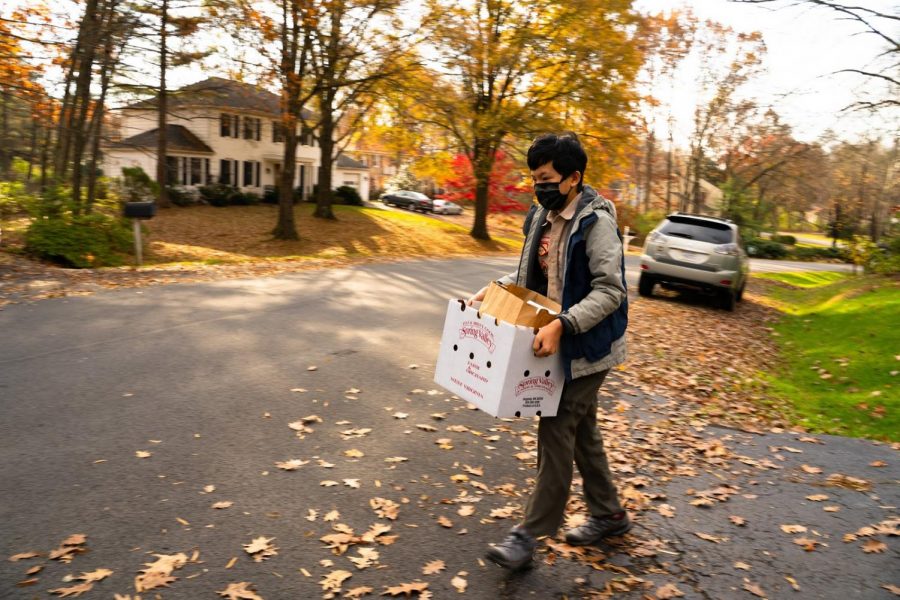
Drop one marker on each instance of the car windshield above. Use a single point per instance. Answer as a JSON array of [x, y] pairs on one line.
[[697, 229]]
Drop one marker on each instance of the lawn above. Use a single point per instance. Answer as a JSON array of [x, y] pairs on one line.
[[840, 349], [242, 234]]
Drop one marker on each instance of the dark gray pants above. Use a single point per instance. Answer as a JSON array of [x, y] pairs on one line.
[[571, 435]]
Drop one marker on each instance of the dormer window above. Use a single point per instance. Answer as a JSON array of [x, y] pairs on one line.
[[224, 125]]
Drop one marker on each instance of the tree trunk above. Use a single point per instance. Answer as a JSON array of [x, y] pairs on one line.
[[97, 117], [482, 163], [32, 152], [5, 151], [669, 173], [648, 172], [325, 195], [162, 107], [45, 155], [79, 124]]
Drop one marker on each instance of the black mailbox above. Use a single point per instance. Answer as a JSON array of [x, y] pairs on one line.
[[140, 210]]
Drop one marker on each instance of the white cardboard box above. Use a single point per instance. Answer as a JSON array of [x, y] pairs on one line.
[[491, 364]]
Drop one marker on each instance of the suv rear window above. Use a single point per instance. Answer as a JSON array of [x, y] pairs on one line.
[[696, 229]]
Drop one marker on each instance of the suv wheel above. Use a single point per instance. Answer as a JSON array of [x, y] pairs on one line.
[[727, 299], [645, 285]]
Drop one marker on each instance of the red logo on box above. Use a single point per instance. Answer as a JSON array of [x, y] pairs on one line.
[[473, 329], [535, 383]]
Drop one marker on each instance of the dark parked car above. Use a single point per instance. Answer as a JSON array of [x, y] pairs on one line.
[[410, 200]]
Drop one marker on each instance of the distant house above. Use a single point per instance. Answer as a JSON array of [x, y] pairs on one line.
[[222, 131]]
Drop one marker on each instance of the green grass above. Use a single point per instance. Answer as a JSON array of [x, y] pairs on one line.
[[840, 341]]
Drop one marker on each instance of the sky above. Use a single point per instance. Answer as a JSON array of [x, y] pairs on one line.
[[806, 45]]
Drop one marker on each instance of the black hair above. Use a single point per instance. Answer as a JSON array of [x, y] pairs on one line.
[[563, 150]]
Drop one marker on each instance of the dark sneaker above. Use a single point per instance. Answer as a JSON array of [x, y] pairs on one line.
[[598, 528], [516, 552]]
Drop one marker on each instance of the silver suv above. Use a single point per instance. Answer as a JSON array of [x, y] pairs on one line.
[[696, 252]]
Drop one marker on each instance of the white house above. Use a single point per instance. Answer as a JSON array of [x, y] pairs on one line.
[[222, 131]]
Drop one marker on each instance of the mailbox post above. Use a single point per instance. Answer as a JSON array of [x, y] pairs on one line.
[[137, 212]]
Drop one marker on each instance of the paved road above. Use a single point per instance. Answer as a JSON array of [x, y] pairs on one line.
[[201, 376]]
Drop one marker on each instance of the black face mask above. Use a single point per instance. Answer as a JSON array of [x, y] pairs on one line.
[[549, 196]]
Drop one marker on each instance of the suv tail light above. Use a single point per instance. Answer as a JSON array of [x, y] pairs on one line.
[[729, 249]]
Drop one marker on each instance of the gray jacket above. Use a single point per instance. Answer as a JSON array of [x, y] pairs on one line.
[[604, 251]]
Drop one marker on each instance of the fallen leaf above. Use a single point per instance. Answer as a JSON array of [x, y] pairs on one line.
[[75, 590], [426, 427], [811, 470], [143, 454], [666, 510], [668, 591], [384, 508], [741, 565], [459, 583], [97, 575], [334, 580], [75, 539], [710, 538], [878, 463], [405, 589], [793, 528], [831, 509], [351, 483], [331, 516], [808, 544], [240, 591], [23, 556], [328, 483], [359, 592], [892, 588], [739, 521], [312, 368], [209, 489], [223, 504], [291, 465], [445, 522], [754, 589], [466, 510], [433, 567], [353, 453], [817, 497], [261, 548], [872, 545], [793, 583]]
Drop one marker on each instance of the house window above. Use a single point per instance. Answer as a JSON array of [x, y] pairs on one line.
[[225, 171], [171, 170], [224, 125], [248, 173], [306, 137], [252, 128], [277, 132], [196, 171]]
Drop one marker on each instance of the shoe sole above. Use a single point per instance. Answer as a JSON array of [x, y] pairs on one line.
[[514, 568], [593, 541]]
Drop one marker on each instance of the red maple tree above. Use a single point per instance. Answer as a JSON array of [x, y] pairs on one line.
[[506, 191]]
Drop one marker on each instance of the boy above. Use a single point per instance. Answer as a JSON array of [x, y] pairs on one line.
[[573, 255]]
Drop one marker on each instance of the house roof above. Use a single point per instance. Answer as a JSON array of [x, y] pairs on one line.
[[217, 92], [345, 162], [177, 136]]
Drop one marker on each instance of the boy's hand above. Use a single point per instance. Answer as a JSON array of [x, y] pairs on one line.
[[478, 297], [546, 342]]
